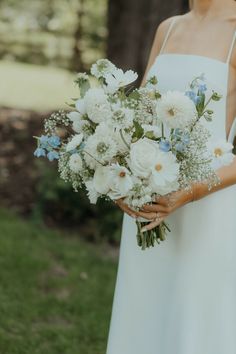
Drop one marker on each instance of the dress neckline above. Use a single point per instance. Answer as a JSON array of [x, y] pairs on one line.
[[226, 64]]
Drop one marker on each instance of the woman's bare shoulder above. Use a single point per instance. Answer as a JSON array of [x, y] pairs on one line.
[[162, 29]]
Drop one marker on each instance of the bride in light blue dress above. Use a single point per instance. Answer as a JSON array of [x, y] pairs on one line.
[[180, 296]]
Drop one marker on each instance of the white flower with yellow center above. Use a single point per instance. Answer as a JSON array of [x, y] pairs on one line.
[[175, 109], [102, 179], [221, 153], [121, 182], [164, 173]]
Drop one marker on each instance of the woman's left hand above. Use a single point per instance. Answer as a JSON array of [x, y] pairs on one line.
[[163, 207]]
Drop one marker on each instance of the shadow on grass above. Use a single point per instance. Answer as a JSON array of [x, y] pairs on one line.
[[55, 291]]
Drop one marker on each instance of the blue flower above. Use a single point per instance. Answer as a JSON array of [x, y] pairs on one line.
[[186, 139], [202, 88], [54, 141], [43, 141], [164, 145], [193, 96], [52, 155], [179, 147], [40, 152], [178, 133]]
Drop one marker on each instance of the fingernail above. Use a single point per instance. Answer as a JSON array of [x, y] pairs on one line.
[[143, 229], [133, 216]]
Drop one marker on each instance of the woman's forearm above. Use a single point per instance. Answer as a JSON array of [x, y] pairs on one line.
[[227, 178]]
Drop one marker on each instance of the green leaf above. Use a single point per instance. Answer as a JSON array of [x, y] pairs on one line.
[[139, 132], [135, 95], [84, 87]]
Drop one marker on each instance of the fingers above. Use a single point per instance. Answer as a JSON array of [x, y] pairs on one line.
[[125, 208], [151, 215], [155, 208], [152, 224]]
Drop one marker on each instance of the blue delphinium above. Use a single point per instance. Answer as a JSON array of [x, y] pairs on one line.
[[193, 96], [54, 141], [40, 152], [164, 145], [46, 147], [179, 147], [52, 155]]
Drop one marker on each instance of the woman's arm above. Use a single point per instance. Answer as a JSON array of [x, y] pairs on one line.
[[156, 47], [157, 44]]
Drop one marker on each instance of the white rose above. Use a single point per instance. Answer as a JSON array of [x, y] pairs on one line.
[[102, 179], [143, 156]]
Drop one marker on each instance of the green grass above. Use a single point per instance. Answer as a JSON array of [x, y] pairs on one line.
[[55, 291], [27, 86]]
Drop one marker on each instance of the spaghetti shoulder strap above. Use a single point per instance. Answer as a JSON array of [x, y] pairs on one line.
[[168, 34], [231, 48]]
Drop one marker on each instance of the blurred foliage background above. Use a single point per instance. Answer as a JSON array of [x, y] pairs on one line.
[[68, 282]]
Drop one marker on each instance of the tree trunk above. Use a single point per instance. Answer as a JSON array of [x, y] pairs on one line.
[[77, 64], [131, 28]]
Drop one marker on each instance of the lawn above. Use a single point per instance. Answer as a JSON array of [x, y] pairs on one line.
[[55, 291]]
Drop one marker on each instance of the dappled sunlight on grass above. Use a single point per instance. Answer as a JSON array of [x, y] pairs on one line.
[[27, 86]]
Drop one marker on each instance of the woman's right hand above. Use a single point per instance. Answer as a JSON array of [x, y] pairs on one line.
[[124, 207]]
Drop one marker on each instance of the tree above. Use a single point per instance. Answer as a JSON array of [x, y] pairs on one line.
[[131, 28]]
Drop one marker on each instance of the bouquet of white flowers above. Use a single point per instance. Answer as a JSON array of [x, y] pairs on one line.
[[135, 144]]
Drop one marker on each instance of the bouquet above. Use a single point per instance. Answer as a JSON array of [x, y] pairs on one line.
[[135, 144]]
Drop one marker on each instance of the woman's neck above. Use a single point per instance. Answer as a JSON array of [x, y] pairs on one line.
[[205, 7]]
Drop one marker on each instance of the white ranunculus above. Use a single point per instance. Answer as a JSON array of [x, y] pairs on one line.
[[76, 163], [143, 156], [80, 106], [121, 182], [164, 173], [97, 105], [175, 109], [93, 195], [221, 153], [118, 78], [75, 142], [102, 67], [102, 179]]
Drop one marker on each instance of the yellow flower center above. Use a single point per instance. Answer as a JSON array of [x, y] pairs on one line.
[[218, 152], [158, 167], [171, 112], [122, 174]]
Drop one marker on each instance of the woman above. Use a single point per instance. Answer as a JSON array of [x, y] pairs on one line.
[[180, 296]]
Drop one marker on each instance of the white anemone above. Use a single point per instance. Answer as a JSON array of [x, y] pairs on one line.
[[164, 174], [121, 182], [118, 78], [221, 153], [75, 142]]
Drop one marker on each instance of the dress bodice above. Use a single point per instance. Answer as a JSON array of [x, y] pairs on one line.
[[177, 71]]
